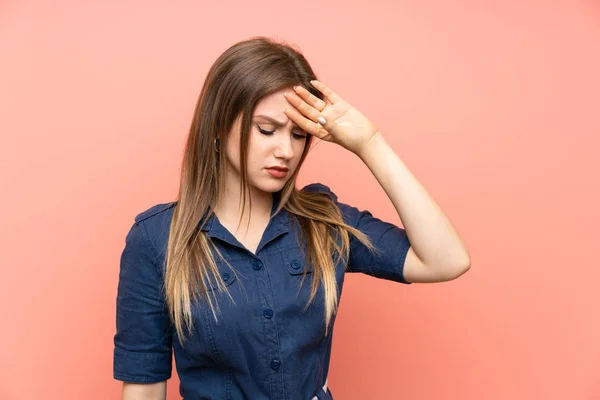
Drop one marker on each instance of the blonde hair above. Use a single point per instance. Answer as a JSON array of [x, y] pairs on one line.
[[236, 82]]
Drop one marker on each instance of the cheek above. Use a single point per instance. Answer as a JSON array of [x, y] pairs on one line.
[[233, 154], [256, 151], [298, 150]]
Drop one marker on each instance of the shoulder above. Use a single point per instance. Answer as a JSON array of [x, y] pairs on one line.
[[153, 225], [156, 221], [319, 188], [155, 211], [351, 214]]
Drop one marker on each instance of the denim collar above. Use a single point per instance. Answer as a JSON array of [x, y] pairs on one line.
[[278, 225]]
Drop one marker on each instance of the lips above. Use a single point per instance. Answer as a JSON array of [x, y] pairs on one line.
[[277, 171], [276, 168]]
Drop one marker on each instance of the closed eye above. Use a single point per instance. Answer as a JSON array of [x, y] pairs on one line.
[[268, 133], [299, 135], [263, 131]]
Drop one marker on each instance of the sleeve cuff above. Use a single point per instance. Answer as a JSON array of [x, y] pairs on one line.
[[141, 367]]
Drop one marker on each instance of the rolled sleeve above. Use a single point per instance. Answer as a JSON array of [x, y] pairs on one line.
[[143, 341], [391, 242]]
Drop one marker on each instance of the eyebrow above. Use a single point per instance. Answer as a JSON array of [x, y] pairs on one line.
[[276, 121]]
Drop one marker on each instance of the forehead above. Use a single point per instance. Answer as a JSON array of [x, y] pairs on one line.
[[273, 103], [270, 108]]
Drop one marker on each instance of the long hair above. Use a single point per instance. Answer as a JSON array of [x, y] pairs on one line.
[[236, 82]]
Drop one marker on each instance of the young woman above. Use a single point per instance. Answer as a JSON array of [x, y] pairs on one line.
[[218, 276]]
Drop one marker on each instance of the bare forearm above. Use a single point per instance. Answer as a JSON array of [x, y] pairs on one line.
[[146, 391], [431, 234]]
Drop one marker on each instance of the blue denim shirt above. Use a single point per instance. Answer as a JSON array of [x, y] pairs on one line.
[[263, 346]]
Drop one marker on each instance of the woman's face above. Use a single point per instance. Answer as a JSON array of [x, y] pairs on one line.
[[275, 146]]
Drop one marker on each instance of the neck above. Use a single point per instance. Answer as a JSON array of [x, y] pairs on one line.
[[229, 209]]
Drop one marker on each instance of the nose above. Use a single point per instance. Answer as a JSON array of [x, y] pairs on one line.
[[284, 147]]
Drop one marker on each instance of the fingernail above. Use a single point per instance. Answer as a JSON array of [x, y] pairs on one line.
[[321, 120]]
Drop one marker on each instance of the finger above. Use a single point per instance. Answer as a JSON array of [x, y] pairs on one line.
[[299, 104], [307, 125], [329, 94], [310, 98]]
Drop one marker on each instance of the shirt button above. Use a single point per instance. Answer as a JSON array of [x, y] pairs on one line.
[[225, 276], [257, 265], [295, 264], [275, 364], [268, 313]]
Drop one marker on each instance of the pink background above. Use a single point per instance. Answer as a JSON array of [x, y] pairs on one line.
[[494, 106]]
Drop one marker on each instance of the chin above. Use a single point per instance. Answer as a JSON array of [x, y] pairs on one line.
[[270, 185]]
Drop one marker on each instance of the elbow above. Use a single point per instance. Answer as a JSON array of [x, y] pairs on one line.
[[461, 269], [461, 264]]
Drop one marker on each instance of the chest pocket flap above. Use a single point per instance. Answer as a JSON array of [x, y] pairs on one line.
[[295, 262]]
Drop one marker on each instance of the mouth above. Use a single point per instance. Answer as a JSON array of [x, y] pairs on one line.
[[277, 168], [277, 172]]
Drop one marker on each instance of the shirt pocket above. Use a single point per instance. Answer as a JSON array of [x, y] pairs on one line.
[[295, 262]]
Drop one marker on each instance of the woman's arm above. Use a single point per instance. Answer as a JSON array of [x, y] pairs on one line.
[[437, 251], [144, 391]]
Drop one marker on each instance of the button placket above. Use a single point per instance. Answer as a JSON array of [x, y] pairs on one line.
[[262, 275], [275, 364]]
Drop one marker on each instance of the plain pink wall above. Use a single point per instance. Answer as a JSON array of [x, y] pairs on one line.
[[494, 106]]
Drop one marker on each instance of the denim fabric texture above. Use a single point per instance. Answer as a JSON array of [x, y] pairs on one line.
[[263, 346]]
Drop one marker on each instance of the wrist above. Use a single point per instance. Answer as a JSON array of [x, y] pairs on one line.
[[372, 147]]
